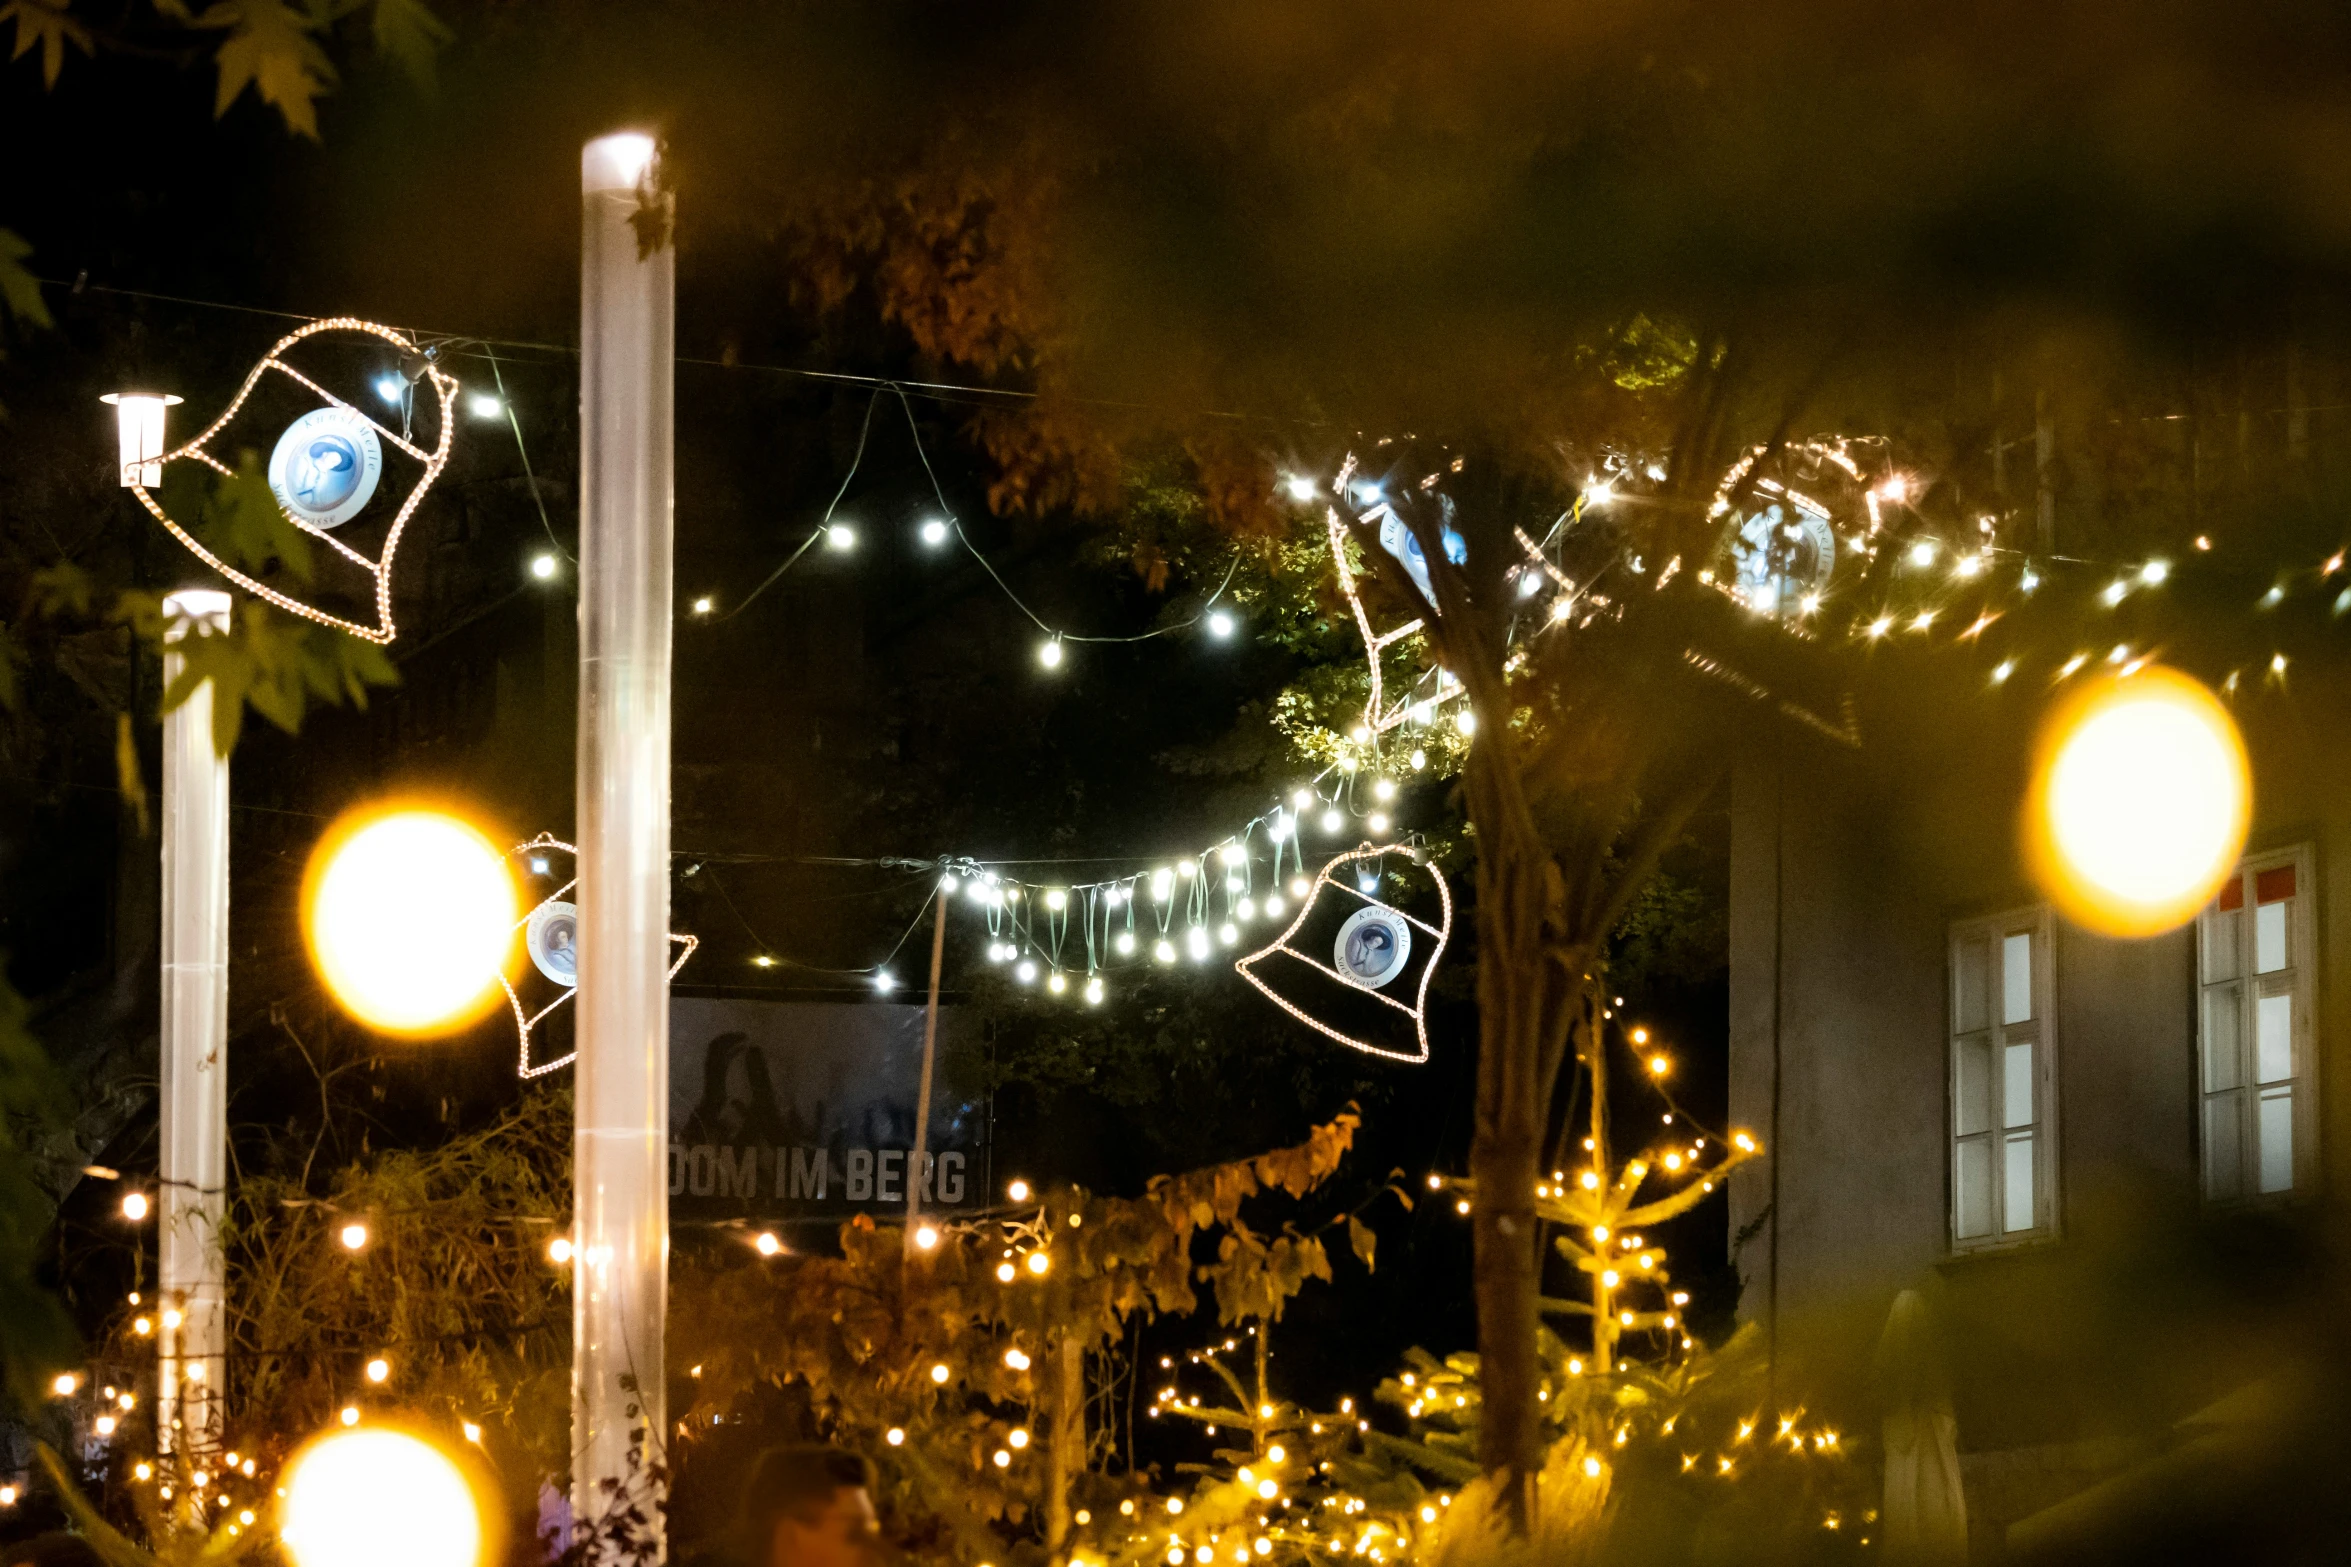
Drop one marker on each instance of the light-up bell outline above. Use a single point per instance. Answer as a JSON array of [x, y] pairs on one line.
[[525, 1022], [380, 568], [1418, 1011]]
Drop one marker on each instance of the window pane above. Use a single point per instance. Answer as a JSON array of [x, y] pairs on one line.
[[2016, 978], [1973, 1100], [2224, 1147], [1972, 1174], [2224, 1047], [2221, 935], [1974, 984], [2017, 1181], [2277, 1139], [2273, 1037], [2269, 937], [2016, 1086]]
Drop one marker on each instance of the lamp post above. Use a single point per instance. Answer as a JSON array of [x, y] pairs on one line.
[[628, 284], [138, 419], [194, 1038], [193, 1033]]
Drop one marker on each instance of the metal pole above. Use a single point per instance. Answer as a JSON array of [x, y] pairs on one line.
[[930, 1053], [194, 1036], [620, 1141]]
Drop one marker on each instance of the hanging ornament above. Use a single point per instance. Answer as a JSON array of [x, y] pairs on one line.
[[1371, 955], [551, 936], [1379, 714], [1788, 527], [325, 468]]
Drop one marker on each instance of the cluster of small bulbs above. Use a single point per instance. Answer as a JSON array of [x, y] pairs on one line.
[[1960, 564], [1196, 906]]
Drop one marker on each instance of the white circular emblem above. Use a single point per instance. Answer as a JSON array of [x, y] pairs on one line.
[[326, 466], [552, 938], [1372, 946]]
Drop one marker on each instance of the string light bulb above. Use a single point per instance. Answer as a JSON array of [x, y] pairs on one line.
[[1220, 624], [934, 533], [543, 567], [353, 1237], [134, 1206], [1049, 652], [840, 537]]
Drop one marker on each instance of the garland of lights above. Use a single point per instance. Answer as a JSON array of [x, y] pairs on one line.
[[524, 1023], [1418, 1011], [380, 568]]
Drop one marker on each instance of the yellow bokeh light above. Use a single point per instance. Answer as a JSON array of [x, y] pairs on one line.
[[373, 1497], [2140, 800], [410, 917]]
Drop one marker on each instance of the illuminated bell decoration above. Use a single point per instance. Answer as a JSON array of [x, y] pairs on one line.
[[371, 1497], [1374, 944], [409, 915], [550, 933], [324, 468], [2140, 800]]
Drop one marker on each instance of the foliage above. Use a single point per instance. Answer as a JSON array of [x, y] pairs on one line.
[[274, 48], [947, 1358], [452, 1289], [276, 664], [177, 1533], [39, 1338]]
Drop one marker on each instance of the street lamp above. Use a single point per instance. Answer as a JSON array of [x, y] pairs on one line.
[[138, 420]]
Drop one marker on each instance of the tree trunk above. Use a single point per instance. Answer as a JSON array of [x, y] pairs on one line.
[[1066, 1449], [1504, 1162]]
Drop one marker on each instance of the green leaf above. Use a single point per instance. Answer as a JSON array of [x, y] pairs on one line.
[[278, 666], [45, 22], [20, 291], [408, 33], [62, 589], [130, 781], [1360, 1236], [270, 49], [239, 519]]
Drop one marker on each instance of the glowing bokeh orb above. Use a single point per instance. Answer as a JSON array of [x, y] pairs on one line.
[[371, 1497], [410, 918], [2140, 801]]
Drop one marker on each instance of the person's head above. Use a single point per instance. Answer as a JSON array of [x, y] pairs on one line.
[[811, 1506]]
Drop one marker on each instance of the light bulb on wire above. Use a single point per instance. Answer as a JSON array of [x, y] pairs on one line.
[[1332, 821], [840, 537], [1049, 652], [483, 406], [1220, 624], [934, 533], [391, 388]]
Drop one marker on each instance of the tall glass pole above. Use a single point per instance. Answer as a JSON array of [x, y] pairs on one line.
[[621, 1141], [195, 1032]]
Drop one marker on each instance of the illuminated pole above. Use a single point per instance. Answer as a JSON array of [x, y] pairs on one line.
[[195, 1032], [930, 1053], [620, 1143]]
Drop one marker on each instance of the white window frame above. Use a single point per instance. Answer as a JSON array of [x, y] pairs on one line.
[[2232, 1130], [1979, 1134]]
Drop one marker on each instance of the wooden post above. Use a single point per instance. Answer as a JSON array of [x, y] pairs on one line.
[[930, 1052]]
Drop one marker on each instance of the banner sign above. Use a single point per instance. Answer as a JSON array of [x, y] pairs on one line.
[[805, 1110]]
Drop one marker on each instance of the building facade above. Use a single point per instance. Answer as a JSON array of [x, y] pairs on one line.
[[2057, 1136]]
